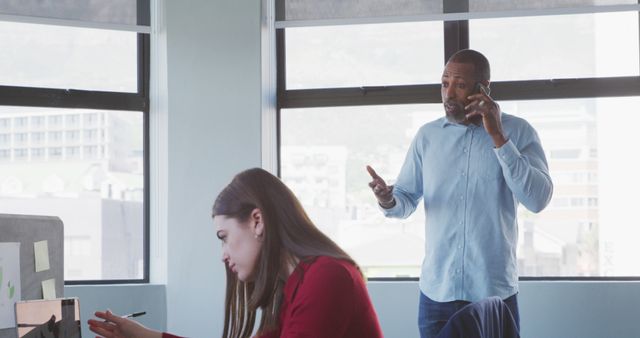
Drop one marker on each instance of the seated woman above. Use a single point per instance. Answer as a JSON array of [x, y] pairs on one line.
[[279, 262]]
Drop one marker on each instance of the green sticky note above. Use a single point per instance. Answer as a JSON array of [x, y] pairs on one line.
[[49, 289], [41, 253]]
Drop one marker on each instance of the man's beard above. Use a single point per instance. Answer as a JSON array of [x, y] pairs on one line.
[[455, 112]]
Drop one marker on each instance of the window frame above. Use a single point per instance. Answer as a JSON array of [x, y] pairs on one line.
[[456, 37], [102, 100]]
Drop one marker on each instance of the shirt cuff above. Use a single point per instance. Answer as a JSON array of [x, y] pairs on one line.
[[508, 153], [393, 211]]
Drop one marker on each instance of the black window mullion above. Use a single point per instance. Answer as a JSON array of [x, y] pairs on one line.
[[281, 89], [69, 98], [144, 75], [456, 37], [566, 88], [281, 58], [430, 93], [456, 33], [144, 41], [361, 96]]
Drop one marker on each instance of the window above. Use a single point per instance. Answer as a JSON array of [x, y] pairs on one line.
[[55, 121], [20, 153], [363, 55], [531, 53], [564, 154], [93, 59], [5, 155], [86, 165], [91, 151], [37, 122], [21, 138], [90, 120], [5, 139], [90, 135], [55, 153], [355, 94], [37, 137], [20, 123], [62, 177], [37, 153], [55, 137], [72, 136], [326, 173], [72, 152], [73, 120]]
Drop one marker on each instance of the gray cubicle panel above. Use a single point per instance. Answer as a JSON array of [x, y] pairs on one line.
[[27, 230]]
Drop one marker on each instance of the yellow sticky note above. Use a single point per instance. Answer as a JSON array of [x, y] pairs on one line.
[[41, 252], [49, 289]]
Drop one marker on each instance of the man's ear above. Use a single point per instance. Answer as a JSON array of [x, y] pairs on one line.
[[257, 223]]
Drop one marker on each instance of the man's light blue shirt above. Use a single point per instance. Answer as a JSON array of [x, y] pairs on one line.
[[471, 191]]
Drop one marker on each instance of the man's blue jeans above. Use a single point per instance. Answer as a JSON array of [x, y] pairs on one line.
[[432, 315]]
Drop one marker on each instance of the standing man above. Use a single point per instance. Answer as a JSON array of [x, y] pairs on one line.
[[472, 167]]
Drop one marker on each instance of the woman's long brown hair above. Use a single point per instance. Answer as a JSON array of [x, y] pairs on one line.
[[289, 235]]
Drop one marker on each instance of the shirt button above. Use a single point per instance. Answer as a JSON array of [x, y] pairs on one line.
[[461, 197], [460, 222], [463, 174], [464, 150], [457, 270], [459, 246]]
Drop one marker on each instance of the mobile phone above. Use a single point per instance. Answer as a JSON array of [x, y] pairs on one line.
[[480, 88]]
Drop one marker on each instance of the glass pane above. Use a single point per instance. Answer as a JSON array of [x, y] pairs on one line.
[[86, 167], [561, 46], [68, 57], [327, 173], [590, 227], [364, 55]]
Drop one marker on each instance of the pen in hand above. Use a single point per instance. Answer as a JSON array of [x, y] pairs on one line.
[[131, 315], [135, 314]]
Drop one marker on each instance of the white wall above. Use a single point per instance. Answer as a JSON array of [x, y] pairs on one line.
[[121, 299], [213, 131], [547, 309], [213, 76]]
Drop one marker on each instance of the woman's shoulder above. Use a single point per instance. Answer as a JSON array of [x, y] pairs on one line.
[[325, 267], [324, 278]]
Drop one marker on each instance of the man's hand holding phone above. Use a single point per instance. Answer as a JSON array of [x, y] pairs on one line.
[[483, 105], [382, 191]]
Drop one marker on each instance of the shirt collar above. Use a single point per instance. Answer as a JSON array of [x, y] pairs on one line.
[[446, 122]]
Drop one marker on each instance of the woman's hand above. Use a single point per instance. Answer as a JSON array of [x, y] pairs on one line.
[[118, 327]]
